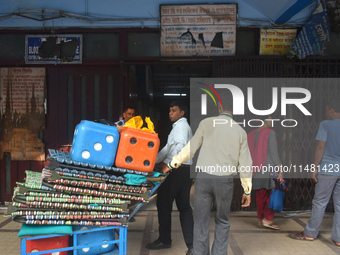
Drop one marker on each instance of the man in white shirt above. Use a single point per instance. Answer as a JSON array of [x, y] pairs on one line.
[[177, 184]]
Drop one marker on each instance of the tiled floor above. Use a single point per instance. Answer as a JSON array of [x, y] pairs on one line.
[[245, 236]]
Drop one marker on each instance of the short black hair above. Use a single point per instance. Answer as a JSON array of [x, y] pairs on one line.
[[181, 105], [129, 107], [334, 104]]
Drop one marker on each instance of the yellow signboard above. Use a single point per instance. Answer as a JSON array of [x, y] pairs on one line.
[[276, 41]]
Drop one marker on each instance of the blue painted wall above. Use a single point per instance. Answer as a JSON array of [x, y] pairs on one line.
[[134, 13]]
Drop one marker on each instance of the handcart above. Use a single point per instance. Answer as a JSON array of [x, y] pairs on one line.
[[85, 239]]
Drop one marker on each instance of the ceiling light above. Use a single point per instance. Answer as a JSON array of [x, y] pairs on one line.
[[174, 95]]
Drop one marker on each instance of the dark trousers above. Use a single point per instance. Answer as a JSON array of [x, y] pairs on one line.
[[176, 186]]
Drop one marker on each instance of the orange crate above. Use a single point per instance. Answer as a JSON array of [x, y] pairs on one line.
[[137, 149], [46, 244]]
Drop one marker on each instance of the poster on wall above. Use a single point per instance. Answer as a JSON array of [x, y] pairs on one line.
[[314, 34], [276, 41], [53, 49], [198, 30], [23, 103]]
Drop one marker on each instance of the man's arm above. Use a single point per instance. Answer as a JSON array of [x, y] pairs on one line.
[[178, 138], [245, 169], [319, 151], [177, 160], [162, 154], [182, 136], [188, 151], [246, 200]]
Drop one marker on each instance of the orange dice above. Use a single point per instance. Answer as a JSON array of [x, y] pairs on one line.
[[137, 149]]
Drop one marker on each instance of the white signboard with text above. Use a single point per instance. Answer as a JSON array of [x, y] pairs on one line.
[[198, 30]]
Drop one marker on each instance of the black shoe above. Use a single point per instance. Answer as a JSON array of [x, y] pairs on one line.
[[190, 252], [157, 245]]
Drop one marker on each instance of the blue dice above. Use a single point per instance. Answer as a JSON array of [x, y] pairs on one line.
[[95, 143]]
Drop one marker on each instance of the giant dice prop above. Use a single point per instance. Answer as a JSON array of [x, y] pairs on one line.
[[95, 143], [137, 149]]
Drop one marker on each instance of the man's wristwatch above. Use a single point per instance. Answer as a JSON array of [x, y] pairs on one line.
[[170, 166]]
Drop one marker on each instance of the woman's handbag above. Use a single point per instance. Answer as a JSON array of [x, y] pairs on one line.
[[276, 200]]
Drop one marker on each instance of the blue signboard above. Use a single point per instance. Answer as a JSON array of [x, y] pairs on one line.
[[314, 35], [53, 49]]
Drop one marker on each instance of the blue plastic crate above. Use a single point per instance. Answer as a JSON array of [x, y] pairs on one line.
[[91, 241], [95, 143], [94, 237]]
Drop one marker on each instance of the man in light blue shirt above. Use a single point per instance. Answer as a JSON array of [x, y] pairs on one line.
[[177, 184], [326, 176]]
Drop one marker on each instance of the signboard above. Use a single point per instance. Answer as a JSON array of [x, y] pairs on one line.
[[53, 49], [276, 41], [22, 92], [198, 30], [314, 35]]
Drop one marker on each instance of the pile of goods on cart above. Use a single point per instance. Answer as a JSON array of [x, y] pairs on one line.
[[107, 173]]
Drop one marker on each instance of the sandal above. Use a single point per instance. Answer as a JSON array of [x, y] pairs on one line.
[[270, 225], [300, 236], [336, 244]]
